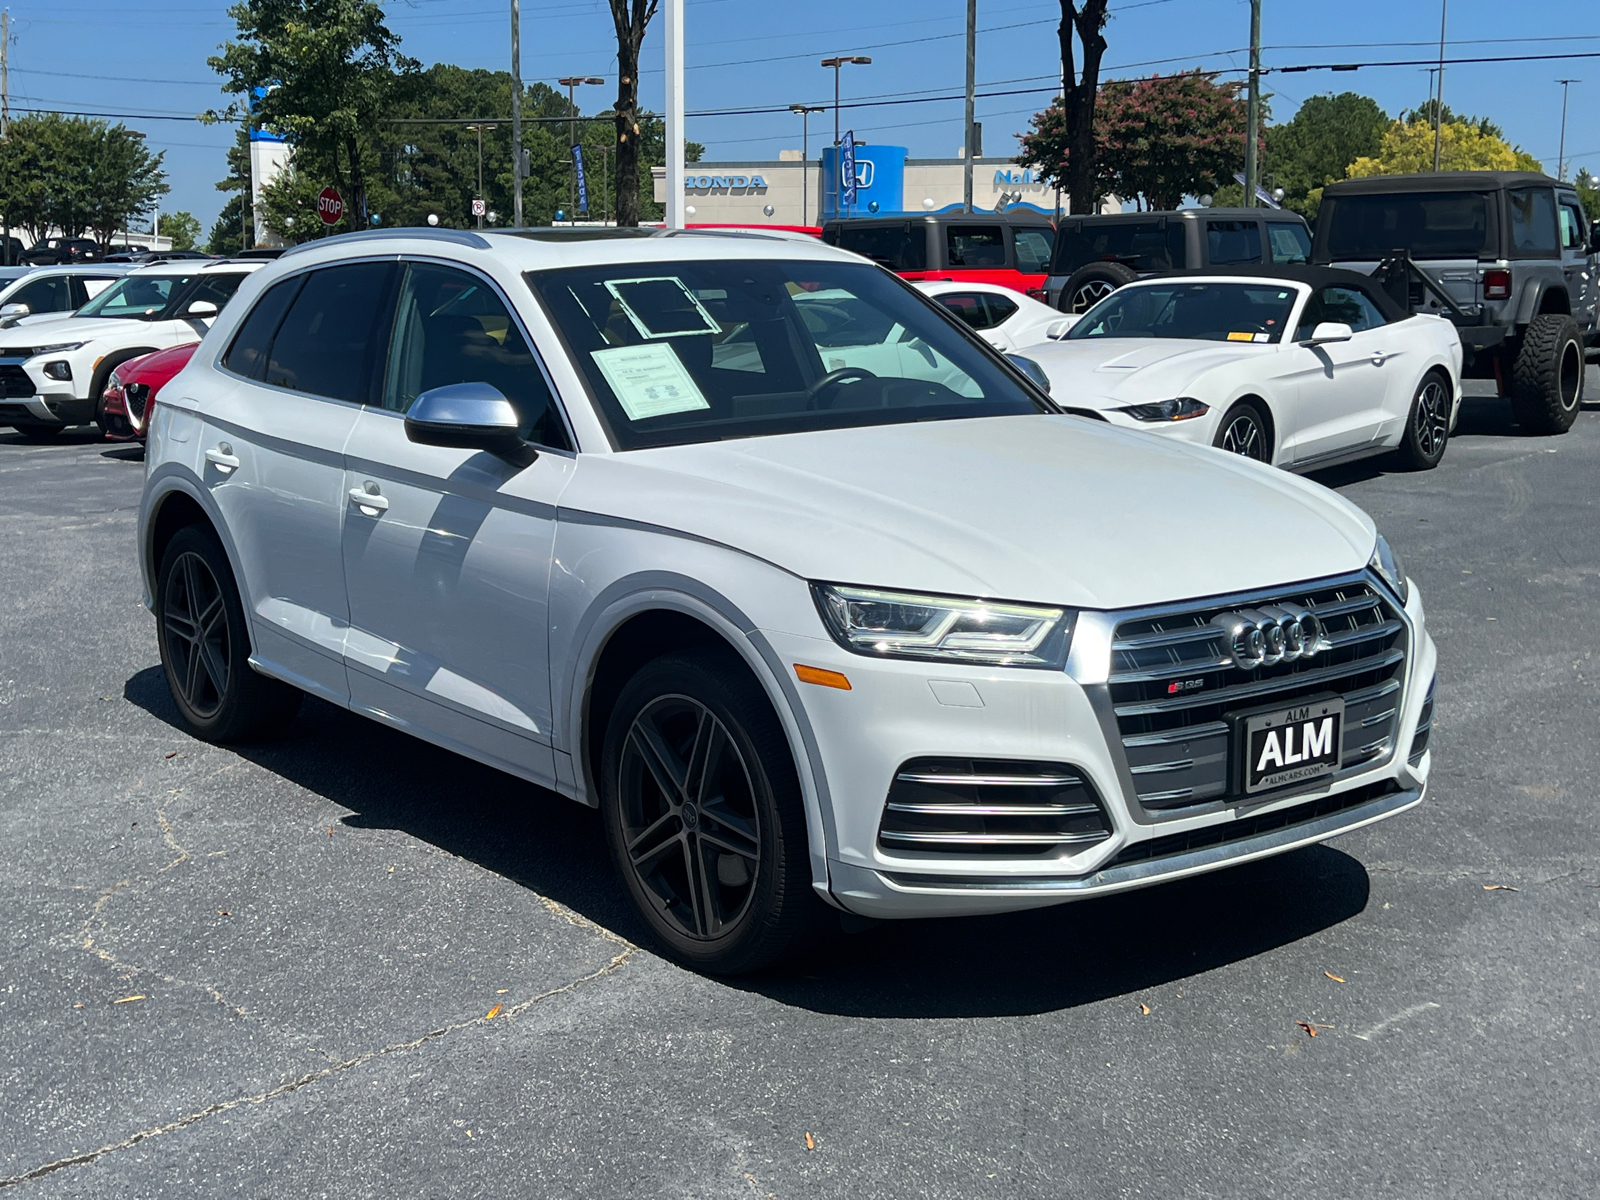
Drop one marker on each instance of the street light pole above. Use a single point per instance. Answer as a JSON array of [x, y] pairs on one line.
[[516, 113], [1253, 108], [479, 129], [1438, 101], [805, 112], [837, 63], [572, 82], [1561, 155]]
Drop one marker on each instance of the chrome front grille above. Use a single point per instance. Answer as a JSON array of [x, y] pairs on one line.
[[1174, 684], [136, 396], [978, 806]]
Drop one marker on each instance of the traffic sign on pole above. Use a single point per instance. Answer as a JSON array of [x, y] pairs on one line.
[[479, 208], [330, 205]]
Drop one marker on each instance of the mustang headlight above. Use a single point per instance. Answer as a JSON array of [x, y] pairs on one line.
[[943, 628], [58, 348], [1184, 408], [1389, 568]]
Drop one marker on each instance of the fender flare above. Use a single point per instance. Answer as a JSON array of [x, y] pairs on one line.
[[164, 482]]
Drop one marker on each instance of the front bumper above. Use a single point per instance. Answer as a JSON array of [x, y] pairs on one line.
[[894, 713], [28, 394]]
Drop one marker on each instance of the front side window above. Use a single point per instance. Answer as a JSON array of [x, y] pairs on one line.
[[325, 342], [898, 245], [1232, 242], [451, 327], [1290, 242], [976, 245], [1345, 306], [1572, 227], [218, 289], [705, 350], [1211, 312], [1033, 249], [44, 295], [1533, 221], [136, 297]]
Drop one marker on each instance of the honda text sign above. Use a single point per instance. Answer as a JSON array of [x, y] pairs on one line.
[[330, 205]]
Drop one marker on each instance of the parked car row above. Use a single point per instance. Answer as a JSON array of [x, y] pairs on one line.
[[784, 566]]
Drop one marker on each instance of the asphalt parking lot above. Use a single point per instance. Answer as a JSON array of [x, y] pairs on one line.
[[266, 972]]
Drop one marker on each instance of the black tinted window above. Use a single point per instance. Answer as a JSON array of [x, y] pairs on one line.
[[1428, 224], [44, 295], [999, 308], [1533, 220], [969, 307], [900, 245], [1141, 245], [451, 327], [248, 354], [218, 289], [326, 339], [1232, 242], [976, 245]]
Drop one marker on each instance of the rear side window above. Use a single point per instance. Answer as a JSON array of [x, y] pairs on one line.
[[325, 343], [251, 345], [976, 245], [899, 245], [1033, 249], [1533, 221], [1290, 242], [1140, 245], [1428, 224], [1232, 242]]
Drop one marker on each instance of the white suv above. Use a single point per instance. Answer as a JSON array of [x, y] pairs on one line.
[[618, 515], [54, 366]]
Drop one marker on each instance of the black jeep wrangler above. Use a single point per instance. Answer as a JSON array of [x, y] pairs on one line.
[[1507, 256]]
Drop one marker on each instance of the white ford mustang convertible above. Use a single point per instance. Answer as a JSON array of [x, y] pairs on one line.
[[1301, 367]]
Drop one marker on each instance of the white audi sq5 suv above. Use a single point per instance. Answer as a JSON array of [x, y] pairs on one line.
[[631, 518]]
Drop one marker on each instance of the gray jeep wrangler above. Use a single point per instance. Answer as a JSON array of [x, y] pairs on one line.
[[1507, 256], [1095, 255]]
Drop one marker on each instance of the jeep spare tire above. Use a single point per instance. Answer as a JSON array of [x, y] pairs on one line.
[[1092, 283], [1547, 375]]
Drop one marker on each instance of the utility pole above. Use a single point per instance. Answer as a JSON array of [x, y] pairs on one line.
[[1438, 102], [479, 129], [1253, 109], [972, 86], [674, 214], [516, 113], [5, 117], [1561, 155]]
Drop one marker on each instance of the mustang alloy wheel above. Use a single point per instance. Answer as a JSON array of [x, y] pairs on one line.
[[1428, 425], [1244, 431], [704, 815]]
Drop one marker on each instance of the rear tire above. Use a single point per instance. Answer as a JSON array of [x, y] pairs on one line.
[[704, 817], [1547, 375], [1092, 283], [1245, 431], [205, 647], [1427, 425]]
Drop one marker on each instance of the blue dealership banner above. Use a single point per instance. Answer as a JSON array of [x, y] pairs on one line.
[[847, 168], [583, 179]]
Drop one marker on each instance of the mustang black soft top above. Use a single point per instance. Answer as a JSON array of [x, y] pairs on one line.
[[1313, 277]]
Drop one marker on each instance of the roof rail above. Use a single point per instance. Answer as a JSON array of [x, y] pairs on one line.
[[427, 233]]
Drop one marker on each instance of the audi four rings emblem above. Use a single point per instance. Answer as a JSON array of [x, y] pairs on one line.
[[1260, 637]]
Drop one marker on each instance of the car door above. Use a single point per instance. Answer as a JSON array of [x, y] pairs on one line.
[[273, 458], [447, 552], [1577, 264], [1339, 389]]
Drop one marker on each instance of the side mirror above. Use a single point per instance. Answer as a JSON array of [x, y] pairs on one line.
[[1057, 330], [1032, 370], [469, 416], [200, 308], [17, 309], [1594, 240], [1331, 331]]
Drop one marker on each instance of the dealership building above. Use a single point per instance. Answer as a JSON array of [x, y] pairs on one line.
[[790, 191]]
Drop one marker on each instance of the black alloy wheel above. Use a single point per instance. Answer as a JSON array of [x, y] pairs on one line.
[[704, 814], [1243, 431], [1428, 426], [194, 620]]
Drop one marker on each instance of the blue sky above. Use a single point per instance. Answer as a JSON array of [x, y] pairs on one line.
[[118, 56]]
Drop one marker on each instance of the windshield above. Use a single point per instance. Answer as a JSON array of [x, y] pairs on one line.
[[135, 296], [1210, 312], [1428, 224], [701, 351]]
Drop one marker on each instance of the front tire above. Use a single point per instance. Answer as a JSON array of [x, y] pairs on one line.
[[1547, 375], [1244, 431], [205, 648], [703, 814], [1427, 425]]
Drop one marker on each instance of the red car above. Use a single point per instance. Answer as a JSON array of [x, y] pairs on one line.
[[130, 393]]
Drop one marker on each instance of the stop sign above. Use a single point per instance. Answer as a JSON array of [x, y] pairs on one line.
[[330, 205]]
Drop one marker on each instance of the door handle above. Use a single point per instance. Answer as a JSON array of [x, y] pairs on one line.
[[222, 457], [1378, 356], [368, 499]]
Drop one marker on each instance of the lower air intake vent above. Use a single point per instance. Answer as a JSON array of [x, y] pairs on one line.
[[1419, 740], [980, 806]]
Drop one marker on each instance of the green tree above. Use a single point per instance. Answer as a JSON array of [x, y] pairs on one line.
[[1407, 148], [76, 176], [183, 228], [1589, 193], [1319, 143], [327, 69], [227, 233], [124, 180]]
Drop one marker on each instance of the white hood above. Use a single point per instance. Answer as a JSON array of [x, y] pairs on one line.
[[1057, 509], [64, 327], [1109, 372]]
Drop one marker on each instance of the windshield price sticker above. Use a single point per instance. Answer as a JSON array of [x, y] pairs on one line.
[[649, 381], [1292, 745]]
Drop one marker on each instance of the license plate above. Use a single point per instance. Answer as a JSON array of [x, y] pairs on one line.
[[1292, 745]]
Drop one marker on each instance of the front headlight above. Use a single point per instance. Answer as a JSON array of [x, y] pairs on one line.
[[58, 348], [943, 628], [1388, 566], [1184, 408]]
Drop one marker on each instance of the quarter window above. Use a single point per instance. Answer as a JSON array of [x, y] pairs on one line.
[[325, 343], [1289, 241], [1233, 242], [1033, 249], [976, 246], [451, 327], [900, 246], [252, 344]]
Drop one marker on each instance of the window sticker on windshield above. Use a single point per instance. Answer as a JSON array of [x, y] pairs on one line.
[[662, 306], [649, 381], [1262, 337], [1241, 337]]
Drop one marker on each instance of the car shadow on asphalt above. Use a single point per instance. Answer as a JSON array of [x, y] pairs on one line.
[[1012, 964]]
